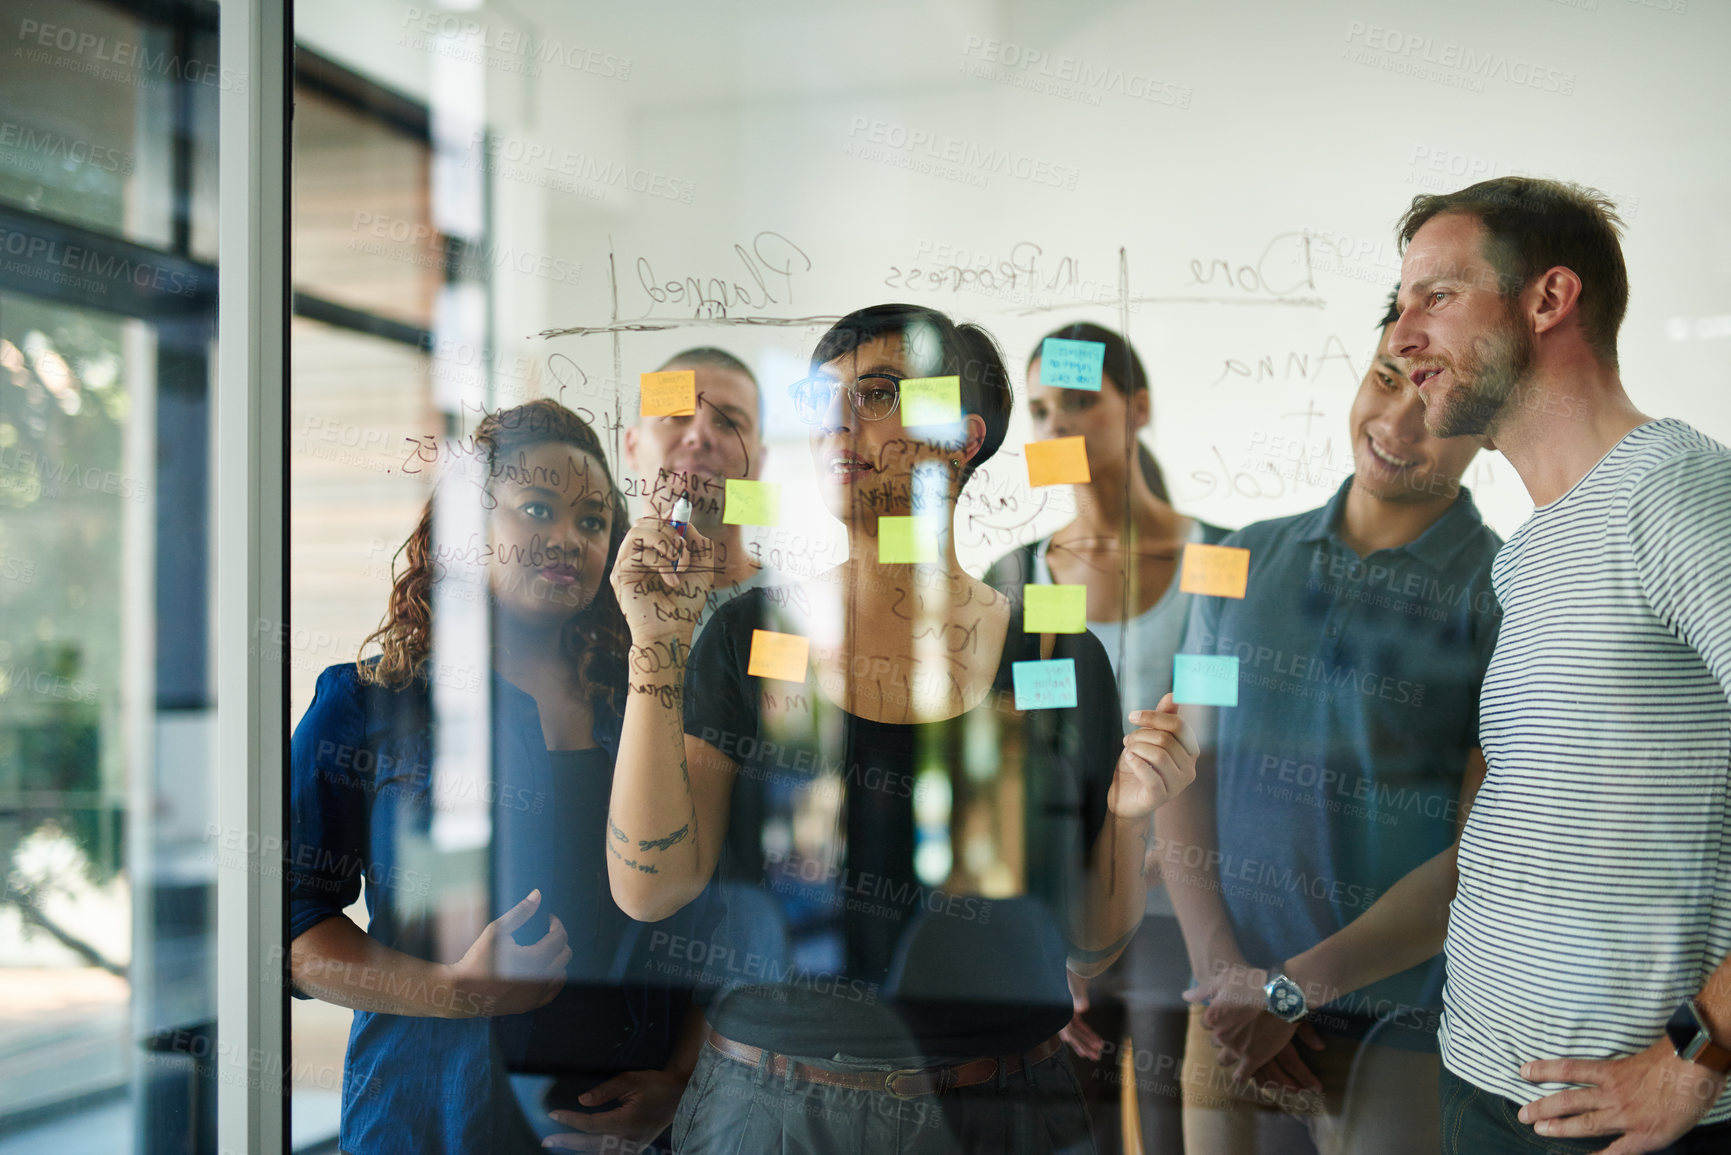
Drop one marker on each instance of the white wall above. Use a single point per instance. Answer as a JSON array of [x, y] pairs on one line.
[[1268, 123]]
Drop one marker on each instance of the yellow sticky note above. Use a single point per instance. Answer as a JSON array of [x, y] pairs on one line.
[[1220, 570], [1054, 609], [751, 502], [1060, 461], [670, 394], [931, 400], [906, 540], [779, 656]]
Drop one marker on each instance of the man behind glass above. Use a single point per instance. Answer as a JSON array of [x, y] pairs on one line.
[[1347, 763], [695, 456]]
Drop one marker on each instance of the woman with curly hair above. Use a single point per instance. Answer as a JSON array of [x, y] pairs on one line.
[[544, 990]]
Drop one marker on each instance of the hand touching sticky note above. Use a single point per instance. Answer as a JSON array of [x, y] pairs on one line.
[[779, 656], [1054, 609], [1060, 461], [931, 400], [1071, 364], [905, 540], [1048, 685], [1205, 680], [751, 502], [669, 394], [1220, 570]]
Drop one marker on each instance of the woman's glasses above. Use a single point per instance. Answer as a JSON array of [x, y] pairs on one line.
[[873, 396]]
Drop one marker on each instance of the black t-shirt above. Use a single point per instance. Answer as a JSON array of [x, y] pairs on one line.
[[898, 890]]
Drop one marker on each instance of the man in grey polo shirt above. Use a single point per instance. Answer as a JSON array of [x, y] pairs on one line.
[[1360, 644]]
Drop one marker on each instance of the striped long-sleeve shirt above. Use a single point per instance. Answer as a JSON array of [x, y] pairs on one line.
[[1595, 870]]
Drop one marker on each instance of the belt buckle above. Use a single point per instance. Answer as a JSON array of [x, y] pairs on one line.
[[908, 1072]]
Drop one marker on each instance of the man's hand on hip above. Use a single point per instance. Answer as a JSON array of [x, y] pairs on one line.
[[1649, 1098]]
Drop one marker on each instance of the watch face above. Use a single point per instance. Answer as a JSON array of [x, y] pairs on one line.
[[1285, 999], [1685, 1030]]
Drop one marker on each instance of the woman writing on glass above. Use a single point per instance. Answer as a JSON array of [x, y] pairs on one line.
[[938, 806], [432, 1043]]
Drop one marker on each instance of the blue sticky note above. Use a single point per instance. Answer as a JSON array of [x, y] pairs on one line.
[[1048, 685], [1205, 680], [1071, 364]]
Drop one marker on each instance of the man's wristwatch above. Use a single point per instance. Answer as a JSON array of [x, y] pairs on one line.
[[1285, 997], [1688, 1033]]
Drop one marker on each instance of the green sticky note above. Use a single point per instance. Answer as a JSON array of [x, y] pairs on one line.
[[905, 540], [1054, 609], [1205, 680], [931, 400], [1048, 685], [752, 503]]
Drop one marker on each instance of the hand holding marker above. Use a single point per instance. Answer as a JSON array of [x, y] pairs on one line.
[[680, 517]]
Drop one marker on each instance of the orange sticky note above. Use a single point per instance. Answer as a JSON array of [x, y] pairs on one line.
[[1060, 461], [1220, 570], [779, 656], [670, 394]]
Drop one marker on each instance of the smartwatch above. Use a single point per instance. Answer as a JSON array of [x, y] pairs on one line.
[[1285, 997], [1688, 1034]]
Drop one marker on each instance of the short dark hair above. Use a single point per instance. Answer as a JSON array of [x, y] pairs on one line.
[[1123, 368], [1533, 224], [708, 356], [965, 351], [1391, 311]]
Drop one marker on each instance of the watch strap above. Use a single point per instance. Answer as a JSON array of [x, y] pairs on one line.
[[1714, 1057]]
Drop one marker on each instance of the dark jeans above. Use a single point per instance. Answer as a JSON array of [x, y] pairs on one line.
[[1479, 1122], [732, 1109]]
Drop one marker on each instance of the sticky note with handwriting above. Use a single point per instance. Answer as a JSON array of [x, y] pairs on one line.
[[1205, 680], [669, 394], [1060, 461], [1054, 609], [1071, 364], [778, 656], [751, 502], [905, 540], [931, 400], [1220, 570], [1047, 685]]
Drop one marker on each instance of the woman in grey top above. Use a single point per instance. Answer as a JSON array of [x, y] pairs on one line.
[[1124, 545]]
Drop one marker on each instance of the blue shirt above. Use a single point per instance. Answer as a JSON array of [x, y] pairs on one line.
[[1340, 769], [361, 807]]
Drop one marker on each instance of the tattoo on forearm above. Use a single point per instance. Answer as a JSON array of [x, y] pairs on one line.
[[668, 697], [657, 657], [613, 829], [631, 862], [664, 843]]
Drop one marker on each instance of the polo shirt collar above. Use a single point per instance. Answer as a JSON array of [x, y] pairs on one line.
[[1436, 546]]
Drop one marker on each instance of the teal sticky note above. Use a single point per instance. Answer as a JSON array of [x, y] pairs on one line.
[[1048, 685], [1071, 364], [1205, 680]]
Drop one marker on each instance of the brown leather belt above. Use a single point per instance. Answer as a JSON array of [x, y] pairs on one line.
[[907, 1083]]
